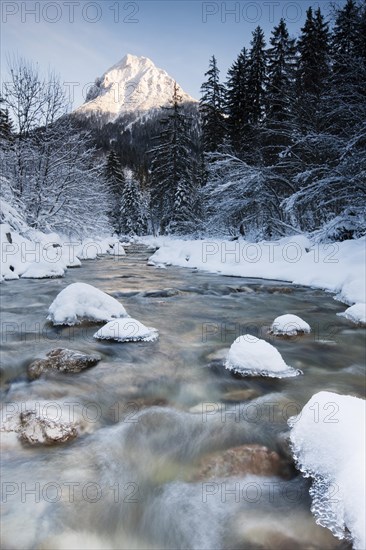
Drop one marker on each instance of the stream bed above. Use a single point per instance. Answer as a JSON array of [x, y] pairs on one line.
[[151, 412]]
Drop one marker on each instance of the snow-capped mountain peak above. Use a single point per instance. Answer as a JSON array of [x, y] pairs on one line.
[[133, 85]]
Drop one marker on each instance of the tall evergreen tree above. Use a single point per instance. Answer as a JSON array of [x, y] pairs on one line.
[[280, 74], [257, 76], [6, 126], [116, 182], [313, 69], [280, 93], [212, 109], [171, 175], [345, 39], [348, 82], [237, 101], [133, 218]]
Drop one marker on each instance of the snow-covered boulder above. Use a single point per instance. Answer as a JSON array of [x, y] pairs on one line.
[[80, 301], [289, 325], [355, 313], [328, 441], [69, 255], [89, 249], [250, 356], [44, 270], [116, 249], [127, 330]]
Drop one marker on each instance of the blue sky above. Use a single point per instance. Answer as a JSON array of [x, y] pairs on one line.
[[81, 39]]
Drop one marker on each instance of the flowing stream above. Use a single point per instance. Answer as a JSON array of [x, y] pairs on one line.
[[149, 412]]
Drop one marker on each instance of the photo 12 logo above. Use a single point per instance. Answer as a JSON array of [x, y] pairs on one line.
[[70, 12], [252, 12]]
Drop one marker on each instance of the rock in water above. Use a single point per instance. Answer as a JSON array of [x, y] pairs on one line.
[[127, 330], [250, 356], [241, 461], [62, 360], [289, 325], [80, 301], [36, 429]]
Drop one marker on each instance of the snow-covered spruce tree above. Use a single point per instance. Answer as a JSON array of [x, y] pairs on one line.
[[256, 87], [133, 207], [348, 80], [116, 181], [313, 70], [51, 166], [312, 147], [237, 102], [171, 173], [212, 109], [280, 93], [257, 76], [6, 125], [331, 186]]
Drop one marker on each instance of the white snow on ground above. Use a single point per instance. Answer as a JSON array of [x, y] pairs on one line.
[[80, 301], [328, 440], [289, 325], [336, 267], [127, 330], [250, 356], [26, 252]]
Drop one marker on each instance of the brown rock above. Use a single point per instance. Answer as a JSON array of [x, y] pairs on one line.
[[239, 461], [62, 360]]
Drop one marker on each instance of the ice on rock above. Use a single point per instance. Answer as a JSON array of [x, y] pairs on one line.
[[250, 356], [80, 301], [127, 330], [328, 442], [289, 325]]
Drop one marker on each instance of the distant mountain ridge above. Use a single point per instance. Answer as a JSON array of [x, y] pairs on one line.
[[133, 87]]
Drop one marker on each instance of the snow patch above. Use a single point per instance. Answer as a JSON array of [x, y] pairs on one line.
[[328, 441]]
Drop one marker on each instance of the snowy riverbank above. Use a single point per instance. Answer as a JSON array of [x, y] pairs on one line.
[[31, 254], [334, 267]]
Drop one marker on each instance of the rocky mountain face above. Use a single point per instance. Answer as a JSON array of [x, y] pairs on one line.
[[132, 89]]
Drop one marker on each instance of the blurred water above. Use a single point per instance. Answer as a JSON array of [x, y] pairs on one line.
[[125, 482]]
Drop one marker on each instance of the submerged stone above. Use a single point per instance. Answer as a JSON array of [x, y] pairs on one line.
[[243, 460], [62, 360]]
